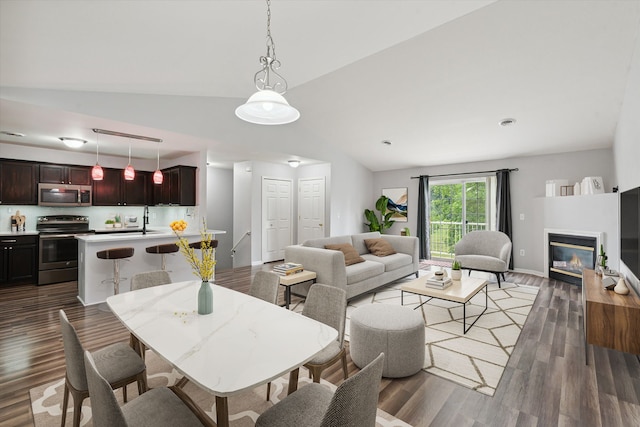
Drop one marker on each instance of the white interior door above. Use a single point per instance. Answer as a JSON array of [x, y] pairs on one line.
[[276, 218], [311, 199]]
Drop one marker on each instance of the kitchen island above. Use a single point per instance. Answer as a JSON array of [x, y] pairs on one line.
[[95, 275]]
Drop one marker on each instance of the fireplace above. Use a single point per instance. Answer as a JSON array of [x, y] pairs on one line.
[[569, 255]]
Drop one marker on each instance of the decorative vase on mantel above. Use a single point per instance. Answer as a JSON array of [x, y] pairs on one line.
[[205, 298]]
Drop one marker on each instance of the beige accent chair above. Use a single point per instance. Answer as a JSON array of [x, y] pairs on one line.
[[118, 363], [354, 402], [488, 251]]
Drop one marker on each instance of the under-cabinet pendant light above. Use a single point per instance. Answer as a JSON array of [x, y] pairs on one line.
[[157, 175], [129, 172], [97, 174], [267, 106]]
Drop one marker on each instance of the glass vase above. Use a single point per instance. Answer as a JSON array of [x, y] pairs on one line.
[[205, 298]]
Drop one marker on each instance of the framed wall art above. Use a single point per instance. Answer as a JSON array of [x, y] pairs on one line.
[[397, 202]]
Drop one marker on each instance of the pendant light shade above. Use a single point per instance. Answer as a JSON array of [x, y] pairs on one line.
[[97, 174], [129, 172], [268, 106], [157, 175]]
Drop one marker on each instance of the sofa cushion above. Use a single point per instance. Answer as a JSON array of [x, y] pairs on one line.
[[379, 247], [357, 240], [321, 242], [366, 270], [350, 255], [391, 262]]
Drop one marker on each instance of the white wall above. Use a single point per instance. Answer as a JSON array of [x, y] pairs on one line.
[[527, 185], [219, 212], [626, 147]]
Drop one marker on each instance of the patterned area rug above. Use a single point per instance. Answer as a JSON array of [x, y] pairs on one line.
[[244, 409], [478, 358]]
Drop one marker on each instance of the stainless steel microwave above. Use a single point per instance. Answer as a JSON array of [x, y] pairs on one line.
[[64, 195]]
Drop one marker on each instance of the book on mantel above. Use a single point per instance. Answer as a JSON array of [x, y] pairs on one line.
[[443, 283], [287, 268]]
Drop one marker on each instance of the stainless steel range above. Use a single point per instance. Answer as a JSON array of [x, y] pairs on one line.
[[58, 251]]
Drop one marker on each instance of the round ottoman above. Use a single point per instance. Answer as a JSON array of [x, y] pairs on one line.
[[396, 331]]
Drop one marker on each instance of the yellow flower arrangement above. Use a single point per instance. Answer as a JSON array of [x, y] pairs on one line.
[[204, 266]]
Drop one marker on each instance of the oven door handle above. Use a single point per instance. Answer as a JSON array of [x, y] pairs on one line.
[[59, 236]]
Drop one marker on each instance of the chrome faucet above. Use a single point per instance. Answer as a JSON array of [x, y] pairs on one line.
[[145, 219]]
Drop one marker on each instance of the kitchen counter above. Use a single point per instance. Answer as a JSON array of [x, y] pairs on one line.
[[95, 274], [18, 233]]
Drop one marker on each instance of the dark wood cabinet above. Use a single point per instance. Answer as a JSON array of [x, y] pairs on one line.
[[18, 259], [64, 174], [18, 183], [114, 190], [178, 187]]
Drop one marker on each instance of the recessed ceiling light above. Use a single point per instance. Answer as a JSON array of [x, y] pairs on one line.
[[386, 142], [72, 142], [5, 132], [507, 122]]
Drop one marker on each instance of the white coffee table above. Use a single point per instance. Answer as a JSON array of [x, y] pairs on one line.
[[461, 291]]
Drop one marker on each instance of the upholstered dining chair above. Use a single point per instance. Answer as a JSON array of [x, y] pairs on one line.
[[118, 363], [327, 304], [265, 286], [354, 402], [142, 281], [160, 406]]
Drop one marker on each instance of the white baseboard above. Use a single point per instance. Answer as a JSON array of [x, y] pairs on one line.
[[525, 271]]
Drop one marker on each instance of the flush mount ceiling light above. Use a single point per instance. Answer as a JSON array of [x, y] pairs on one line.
[[157, 175], [72, 142], [507, 122], [294, 163], [268, 106], [97, 174]]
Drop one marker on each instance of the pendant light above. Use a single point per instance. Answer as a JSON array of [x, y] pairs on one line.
[[129, 172], [97, 174], [268, 106], [157, 175]]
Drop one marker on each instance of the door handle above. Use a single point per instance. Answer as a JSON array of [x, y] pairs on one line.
[[319, 225]]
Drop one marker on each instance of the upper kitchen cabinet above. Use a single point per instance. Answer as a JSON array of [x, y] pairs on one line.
[[64, 174], [113, 190], [18, 183], [178, 187]]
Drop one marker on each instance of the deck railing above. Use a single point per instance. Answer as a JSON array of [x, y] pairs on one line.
[[444, 235]]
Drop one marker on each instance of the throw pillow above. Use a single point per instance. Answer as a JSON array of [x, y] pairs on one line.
[[379, 247], [351, 256]]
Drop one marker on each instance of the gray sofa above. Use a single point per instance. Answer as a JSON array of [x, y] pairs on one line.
[[488, 251], [360, 278]]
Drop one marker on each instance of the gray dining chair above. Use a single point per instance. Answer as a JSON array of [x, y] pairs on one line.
[[119, 364], [354, 402], [265, 286], [327, 304], [141, 281], [160, 406]]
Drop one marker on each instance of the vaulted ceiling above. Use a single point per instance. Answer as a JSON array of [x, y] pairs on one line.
[[433, 77]]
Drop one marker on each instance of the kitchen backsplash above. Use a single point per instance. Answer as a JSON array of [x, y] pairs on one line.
[[159, 216]]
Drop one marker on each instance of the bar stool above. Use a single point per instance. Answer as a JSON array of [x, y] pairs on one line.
[[167, 248], [116, 254], [198, 245]]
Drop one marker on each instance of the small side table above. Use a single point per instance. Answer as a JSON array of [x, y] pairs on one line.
[[295, 279]]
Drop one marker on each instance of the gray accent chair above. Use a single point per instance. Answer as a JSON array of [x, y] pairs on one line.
[[142, 281], [118, 364], [265, 286], [354, 402], [327, 304], [488, 251], [149, 279], [157, 407]]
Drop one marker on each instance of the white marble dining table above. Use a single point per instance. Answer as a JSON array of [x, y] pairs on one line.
[[244, 343]]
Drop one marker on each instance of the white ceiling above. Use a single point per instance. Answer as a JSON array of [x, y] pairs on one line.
[[434, 77]]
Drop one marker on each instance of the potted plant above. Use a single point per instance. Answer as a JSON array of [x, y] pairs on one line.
[[109, 223], [381, 222], [456, 270], [602, 260]]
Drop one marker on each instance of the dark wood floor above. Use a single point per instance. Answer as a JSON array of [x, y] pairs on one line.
[[546, 382]]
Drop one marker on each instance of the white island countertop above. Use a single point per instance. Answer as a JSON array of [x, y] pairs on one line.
[[95, 275]]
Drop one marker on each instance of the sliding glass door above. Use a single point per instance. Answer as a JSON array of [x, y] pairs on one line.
[[459, 207]]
